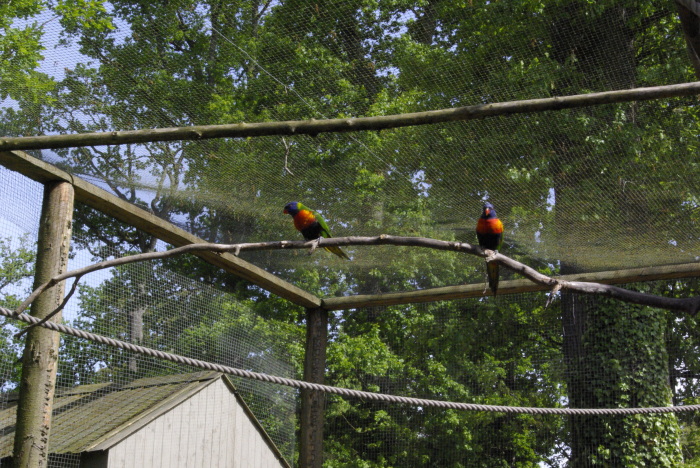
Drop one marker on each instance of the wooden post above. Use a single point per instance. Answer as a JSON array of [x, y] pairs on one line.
[[40, 358], [313, 402]]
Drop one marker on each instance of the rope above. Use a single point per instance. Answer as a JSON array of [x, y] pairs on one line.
[[345, 392]]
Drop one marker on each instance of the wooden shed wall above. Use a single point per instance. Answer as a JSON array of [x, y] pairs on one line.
[[209, 429]]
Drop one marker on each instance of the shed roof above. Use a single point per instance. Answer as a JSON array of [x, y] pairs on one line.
[[80, 422]]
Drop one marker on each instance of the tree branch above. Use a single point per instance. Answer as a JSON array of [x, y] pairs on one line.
[[53, 312], [688, 305]]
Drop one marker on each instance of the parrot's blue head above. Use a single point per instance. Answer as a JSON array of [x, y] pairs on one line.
[[291, 208], [489, 211]]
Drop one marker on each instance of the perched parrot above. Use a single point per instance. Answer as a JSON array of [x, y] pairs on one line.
[[489, 231], [311, 225]]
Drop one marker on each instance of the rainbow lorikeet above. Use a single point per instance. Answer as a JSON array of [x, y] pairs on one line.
[[489, 231], [311, 225]]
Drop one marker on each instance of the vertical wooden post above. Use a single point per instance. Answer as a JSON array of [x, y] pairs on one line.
[[313, 402], [40, 358]]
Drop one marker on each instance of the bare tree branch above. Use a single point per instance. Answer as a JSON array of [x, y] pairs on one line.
[[53, 312], [689, 305]]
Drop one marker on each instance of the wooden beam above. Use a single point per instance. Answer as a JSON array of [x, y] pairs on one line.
[[313, 402], [40, 357], [314, 127], [447, 293], [124, 211]]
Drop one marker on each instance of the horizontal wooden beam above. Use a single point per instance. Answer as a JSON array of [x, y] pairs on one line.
[[685, 270], [124, 211], [314, 127]]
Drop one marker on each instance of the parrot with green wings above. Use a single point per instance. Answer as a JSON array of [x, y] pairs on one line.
[[311, 225], [489, 232]]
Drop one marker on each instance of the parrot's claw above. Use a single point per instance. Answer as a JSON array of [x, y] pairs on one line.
[[314, 245], [553, 294], [490, 255]]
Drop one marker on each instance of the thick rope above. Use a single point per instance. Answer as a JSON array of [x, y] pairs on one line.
[[345, 392]]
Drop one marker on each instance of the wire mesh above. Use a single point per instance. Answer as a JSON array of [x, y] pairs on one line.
[[153, 306], [609, 187], [513, 351], [19, 227], [571, 186], [147, 304]]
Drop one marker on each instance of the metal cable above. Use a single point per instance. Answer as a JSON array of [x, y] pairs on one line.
[[345, 392]]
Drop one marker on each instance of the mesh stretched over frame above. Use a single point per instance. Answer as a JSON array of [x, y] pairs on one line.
[[599, 188]]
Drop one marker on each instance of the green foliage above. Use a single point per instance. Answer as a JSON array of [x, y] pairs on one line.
[[428, 351], [20, 53], [17, 259], [88, 14]]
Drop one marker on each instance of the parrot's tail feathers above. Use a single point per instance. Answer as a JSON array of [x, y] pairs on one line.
[[492, 271], [337, 251]]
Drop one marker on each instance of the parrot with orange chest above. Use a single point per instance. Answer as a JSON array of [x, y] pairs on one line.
[[311, 225], [489, 232]]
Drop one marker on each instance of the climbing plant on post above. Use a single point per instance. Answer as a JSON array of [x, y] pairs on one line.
[[625, 355]]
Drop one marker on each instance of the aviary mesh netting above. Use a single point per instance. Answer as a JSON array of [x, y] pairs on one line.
[[592, 189], [598, 188]]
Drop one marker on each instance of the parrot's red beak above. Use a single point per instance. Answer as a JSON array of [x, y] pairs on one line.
[[487, 211], [284, 211]]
